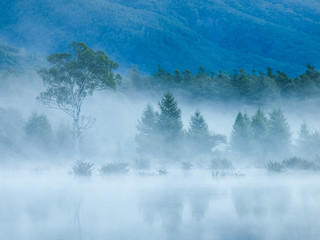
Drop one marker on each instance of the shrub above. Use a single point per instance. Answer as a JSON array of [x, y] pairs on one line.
[[220, 164], [162, 171], [114, 168], [298, 164], [274, 167], [83, 168]]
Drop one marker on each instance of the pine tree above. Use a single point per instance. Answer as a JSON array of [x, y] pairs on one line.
[[259, 125], [148, 139], [308, 143], [241, 137], [38, 130], [200, 139], [147, 124], [259, 132], [279, 135], [198, 125], [170, 123]]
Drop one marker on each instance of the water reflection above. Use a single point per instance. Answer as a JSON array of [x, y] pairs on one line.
[[176, 209], [160, 208]]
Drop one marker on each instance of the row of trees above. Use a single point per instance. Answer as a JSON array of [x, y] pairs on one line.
[[28, 138], [260, 135], [254, 87], [72, 76], [270, 137], [161, 134]]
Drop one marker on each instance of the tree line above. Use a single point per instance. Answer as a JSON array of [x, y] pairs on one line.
[[161, 136], [253, 88], [72, 76]]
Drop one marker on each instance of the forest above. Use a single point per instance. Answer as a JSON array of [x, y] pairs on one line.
[[256, 139], [250, 88]]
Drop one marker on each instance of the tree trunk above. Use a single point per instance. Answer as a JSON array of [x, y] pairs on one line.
[[76, 134]]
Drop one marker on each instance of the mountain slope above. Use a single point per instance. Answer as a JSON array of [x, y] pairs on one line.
[[176, 34]]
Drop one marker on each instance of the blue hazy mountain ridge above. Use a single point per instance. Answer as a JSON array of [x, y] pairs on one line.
[[227, 35]]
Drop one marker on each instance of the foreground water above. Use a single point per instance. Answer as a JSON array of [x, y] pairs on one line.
[[54, 205]]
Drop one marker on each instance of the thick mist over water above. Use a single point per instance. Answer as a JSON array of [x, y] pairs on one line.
[[115, 117], [55, 205]]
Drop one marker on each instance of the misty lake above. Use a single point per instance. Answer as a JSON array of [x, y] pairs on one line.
[[181, 205]]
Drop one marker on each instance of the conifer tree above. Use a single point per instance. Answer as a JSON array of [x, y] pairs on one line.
[[279, 135], [199, 137], [259, 125], [241, 137], [308, 143], [259, 132], [198, 125], [170, 123], [148, 137], [38, 130], [147, 124]]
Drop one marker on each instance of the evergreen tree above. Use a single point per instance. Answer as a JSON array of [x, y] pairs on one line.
[[38, 130], [259, 125], [264, 88], [139, 82], [170, 123], [199, 137], [160, 134], [241, 137], [308, 143], [259, 131], [279, 135], [147, 124], [170, 127], [198, 125], [285, 84], [304, 132], [243, 85], [307, 85], [222, 88], [148, 139]]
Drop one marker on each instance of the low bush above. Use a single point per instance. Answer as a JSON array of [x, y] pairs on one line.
[[162, 171], [296, 163], [114, 168], [274, 167], [82, 168]]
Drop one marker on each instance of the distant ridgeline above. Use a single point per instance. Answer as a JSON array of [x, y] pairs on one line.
[[254, 88]]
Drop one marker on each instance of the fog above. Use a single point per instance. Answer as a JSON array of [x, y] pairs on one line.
[[43, 198]]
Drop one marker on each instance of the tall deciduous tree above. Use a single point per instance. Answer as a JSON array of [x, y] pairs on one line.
[[74, 75]]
